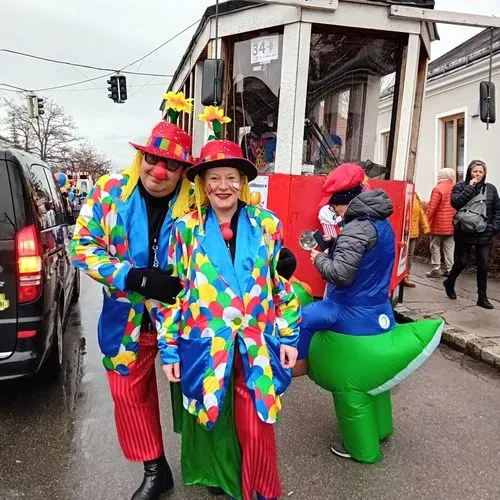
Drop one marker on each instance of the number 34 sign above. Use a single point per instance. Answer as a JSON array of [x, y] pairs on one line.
[[264, 49]]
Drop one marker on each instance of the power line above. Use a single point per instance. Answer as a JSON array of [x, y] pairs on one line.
[[88, 89], [111, 71], [10, 90], [13, 87], [160, 46], [88, 66], [73, 84], [97, 68], [20, 90]]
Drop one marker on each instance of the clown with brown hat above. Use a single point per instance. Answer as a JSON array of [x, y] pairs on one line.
[[121, 240], [230, 338]]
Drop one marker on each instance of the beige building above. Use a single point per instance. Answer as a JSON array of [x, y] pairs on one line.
[[451, 133]]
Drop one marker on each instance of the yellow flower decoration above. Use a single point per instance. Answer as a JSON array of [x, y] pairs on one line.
[[178, 102], [215, 118], [213, 113]]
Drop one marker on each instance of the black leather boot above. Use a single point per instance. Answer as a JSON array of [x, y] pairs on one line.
[[157, 480], [450, 289], [482, 301]]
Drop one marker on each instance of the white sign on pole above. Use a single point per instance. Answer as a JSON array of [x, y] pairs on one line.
[[264, 49]]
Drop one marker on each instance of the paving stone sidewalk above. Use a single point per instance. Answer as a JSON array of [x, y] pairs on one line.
[[469, 328]]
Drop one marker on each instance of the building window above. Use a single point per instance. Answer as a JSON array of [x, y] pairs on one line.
[[347, 71], [452, 144]]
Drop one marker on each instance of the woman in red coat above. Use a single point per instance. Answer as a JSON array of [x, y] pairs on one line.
[[440, 214]]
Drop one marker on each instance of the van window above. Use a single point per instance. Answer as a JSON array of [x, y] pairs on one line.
[[7, 219], [40, 188], [56, 197]]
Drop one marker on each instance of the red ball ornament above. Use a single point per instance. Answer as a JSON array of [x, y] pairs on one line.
[[227, 232]]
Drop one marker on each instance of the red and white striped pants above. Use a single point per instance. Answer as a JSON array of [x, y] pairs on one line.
[[259, 471], [137, 413]]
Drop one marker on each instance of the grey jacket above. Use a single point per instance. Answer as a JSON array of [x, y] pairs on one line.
[[359, 236]]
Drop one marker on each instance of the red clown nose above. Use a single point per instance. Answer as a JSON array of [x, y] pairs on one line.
[[160, 173]]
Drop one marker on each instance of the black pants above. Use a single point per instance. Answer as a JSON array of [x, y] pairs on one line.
[[462, 254]]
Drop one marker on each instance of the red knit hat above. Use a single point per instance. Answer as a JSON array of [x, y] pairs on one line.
[[168, 141], [346, 181]]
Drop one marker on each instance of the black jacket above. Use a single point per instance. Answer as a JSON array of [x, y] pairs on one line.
[[461, 194]]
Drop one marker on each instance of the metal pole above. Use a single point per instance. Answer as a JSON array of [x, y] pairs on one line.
[[489, 79], [216, 79]]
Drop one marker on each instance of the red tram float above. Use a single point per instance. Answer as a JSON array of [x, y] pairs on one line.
[[301, 81]]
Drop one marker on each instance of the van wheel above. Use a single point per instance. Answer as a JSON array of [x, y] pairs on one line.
[[76, 288], [53, 365]]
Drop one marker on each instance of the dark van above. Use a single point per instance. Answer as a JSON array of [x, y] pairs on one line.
[[37, 281]]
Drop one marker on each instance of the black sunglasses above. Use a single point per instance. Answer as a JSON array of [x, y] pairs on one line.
[[172, 165]]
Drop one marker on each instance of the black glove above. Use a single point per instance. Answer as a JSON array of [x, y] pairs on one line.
[[154, 284], [287, 263]]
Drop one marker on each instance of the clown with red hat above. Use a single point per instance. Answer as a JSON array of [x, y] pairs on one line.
[[230, 338], [354, 347], [121, 240]]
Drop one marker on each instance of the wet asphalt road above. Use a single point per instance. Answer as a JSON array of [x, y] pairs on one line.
[[57, 440]]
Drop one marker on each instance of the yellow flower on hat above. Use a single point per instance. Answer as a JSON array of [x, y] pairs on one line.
[[178, 102], [214, 114]]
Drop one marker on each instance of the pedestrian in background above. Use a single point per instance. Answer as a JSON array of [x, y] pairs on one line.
[[419, 225], [469, 198], [440, 214]]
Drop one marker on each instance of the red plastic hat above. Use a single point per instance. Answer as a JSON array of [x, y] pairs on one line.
[[343, 178], [221, 153], [168, 141]]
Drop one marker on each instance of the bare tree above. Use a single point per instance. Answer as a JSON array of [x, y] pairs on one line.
[[49, 137], [87, 159]]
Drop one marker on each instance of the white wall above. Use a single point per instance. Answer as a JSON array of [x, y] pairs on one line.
[[446, 95], [383, 126]]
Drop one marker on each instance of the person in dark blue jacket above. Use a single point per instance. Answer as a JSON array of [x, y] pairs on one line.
[[358, 267]]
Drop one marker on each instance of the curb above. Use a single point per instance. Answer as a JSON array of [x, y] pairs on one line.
[[479, 348]]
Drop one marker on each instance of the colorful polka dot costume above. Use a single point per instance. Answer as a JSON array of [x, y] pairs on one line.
[[111, 236], [226, 306]]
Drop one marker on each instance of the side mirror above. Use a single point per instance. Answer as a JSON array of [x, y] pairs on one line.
[[212, 82], [487, 102]]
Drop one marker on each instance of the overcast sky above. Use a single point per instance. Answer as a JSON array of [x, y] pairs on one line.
[[113, 33]]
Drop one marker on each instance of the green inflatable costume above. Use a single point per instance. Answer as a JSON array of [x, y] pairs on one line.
[[360, 371]]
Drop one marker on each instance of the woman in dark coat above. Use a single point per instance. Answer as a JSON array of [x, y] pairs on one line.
[[474, 184]]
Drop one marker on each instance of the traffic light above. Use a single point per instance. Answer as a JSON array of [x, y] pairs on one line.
[[113, 88], [35, 106], [122, 82], [39, 102]]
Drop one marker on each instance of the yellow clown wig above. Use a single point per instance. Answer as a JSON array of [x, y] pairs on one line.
[[184, 202]]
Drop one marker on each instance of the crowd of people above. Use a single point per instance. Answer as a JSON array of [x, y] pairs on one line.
[[195, 273], [460, 218]]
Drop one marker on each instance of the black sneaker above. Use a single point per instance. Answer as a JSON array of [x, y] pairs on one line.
[[337, 448], [450, 290]]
